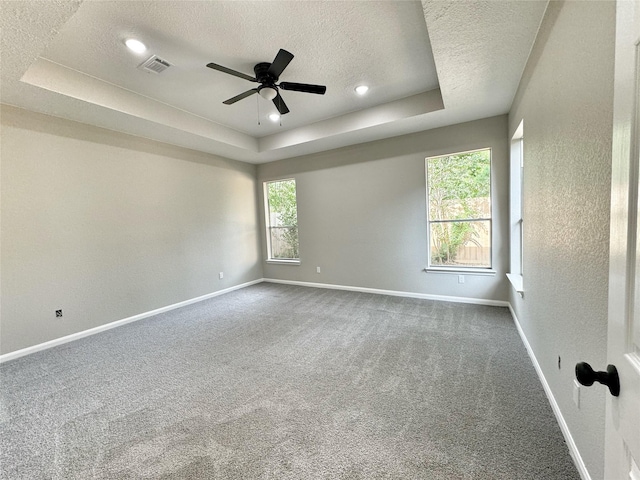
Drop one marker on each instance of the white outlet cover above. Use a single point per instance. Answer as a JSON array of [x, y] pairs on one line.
[[221, 275]]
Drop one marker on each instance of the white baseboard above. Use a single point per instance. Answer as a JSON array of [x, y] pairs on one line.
[[573, 449], [108, 326], [395, 293], [92, 331]]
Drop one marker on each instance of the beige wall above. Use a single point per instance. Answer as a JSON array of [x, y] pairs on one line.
[[565, 99], [105, 226], [362, 213]]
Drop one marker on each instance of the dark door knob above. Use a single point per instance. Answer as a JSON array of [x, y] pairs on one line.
[[586, 376]]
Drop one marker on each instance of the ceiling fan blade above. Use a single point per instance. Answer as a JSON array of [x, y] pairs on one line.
[[280, 63], [303, 87], [241, 96], [220, 68], [280, 105]]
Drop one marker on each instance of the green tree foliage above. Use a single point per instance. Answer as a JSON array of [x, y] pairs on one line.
[[283, 211], [459, 188]]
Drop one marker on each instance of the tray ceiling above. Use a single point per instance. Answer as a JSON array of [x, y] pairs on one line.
[[427, 64]]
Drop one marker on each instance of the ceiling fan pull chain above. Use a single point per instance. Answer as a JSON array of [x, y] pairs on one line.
[[258, 109]]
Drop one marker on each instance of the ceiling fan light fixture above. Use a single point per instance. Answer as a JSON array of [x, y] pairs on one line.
[[361, 89], [135, 46], [274, 117], [268, 93]]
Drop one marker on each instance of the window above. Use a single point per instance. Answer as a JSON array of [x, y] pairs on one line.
[[459, 210], [282, 220], [516, 204]]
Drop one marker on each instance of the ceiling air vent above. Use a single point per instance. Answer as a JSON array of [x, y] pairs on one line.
[[155, 65]]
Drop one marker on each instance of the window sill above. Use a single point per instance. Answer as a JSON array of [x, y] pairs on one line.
[[461, 270], [283, 262], [517, 282]]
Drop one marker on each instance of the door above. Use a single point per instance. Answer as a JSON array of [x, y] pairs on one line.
[[622, 439]]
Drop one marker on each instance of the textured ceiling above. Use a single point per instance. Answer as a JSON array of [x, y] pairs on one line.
[[67, 58]]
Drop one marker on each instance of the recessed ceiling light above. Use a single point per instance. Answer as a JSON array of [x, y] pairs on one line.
[[361, 89], [135, 45], [274, 117]]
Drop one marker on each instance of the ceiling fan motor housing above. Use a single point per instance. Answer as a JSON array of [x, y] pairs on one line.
[[263, 76]]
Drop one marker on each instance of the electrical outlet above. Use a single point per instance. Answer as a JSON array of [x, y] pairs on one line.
[[317, 269], [221, 275], [58, 313], [460, 278], [576, 393]]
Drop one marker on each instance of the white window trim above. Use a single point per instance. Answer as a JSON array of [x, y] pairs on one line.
[[516, 211], [462, 270], [281, 261], [453, 269], [265, 196], [516, 282]]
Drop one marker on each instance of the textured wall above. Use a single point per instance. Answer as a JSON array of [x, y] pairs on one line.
[[565, 99], [106, 226], [362, 212]]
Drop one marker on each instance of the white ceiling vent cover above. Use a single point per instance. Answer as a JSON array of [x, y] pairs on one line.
[[155, 65]]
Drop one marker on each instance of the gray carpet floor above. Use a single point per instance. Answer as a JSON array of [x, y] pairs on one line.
[[286, 382]]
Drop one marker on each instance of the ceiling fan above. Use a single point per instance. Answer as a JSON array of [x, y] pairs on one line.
[[267, 74]]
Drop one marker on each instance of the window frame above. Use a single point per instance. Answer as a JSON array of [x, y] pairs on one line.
[[482, 270], [516, 210], [267, 223]]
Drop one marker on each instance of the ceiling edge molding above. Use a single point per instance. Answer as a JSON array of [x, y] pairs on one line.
[[411, 106], [60, 79]]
